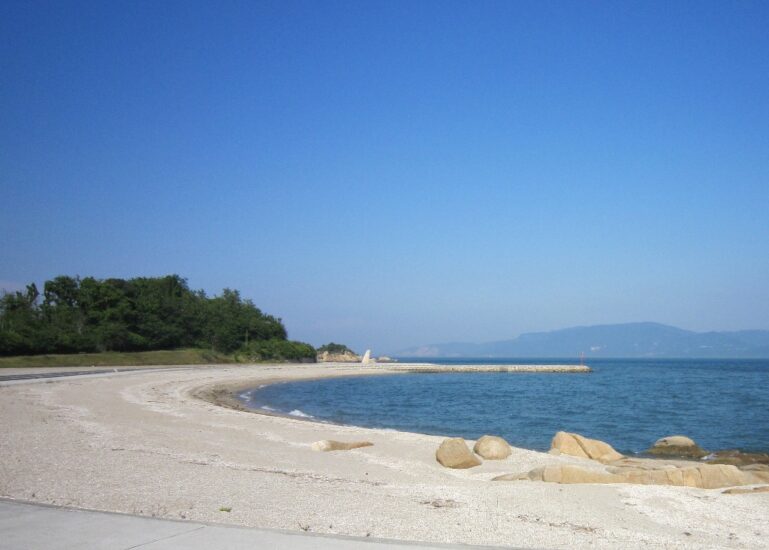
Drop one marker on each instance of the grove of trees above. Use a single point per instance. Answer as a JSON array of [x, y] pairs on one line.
[[140, 314]]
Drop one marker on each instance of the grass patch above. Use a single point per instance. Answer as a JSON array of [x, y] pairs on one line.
[[188, 356]]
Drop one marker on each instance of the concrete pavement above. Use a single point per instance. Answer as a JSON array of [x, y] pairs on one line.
[[29, 526]]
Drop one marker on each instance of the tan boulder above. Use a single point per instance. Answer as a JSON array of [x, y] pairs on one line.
[[583, 447], [566, 473], [454, 453], [703, 476], [331, 445], [512, 477], [675, 441], [677, 445], [761, 476], [715, 476], [492, 447]]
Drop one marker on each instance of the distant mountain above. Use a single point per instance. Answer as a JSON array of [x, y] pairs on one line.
[[623, 340]]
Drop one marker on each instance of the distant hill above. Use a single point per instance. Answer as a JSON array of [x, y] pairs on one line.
[[623, 340]]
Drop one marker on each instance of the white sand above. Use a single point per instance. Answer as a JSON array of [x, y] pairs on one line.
[[142, 442]]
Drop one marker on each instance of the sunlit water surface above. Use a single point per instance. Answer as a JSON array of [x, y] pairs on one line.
[[721, 404]]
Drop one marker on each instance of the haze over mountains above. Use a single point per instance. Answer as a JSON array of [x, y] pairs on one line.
[[635, 340]]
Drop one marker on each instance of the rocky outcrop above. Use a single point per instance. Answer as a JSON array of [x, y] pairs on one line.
[[492, 447], [677, 446], [703, 476], [346, 357], [563, 474], [454, 453], [575, 445], [331, 445]]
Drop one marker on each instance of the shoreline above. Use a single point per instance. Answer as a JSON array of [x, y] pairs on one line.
[[227, 395], [145, 443]]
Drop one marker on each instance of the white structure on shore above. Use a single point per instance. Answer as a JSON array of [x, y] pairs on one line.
[[366, 358]]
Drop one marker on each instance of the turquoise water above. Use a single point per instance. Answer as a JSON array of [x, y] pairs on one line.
[[721, 404]]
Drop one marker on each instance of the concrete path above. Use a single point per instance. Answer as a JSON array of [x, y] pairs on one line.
[[62, 374], [27, 526]]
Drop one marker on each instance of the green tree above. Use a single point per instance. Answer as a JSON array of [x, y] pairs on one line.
[[144, 313]]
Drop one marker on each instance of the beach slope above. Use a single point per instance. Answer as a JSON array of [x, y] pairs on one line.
[[153, 443]]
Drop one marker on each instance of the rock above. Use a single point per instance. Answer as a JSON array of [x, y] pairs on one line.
[[346, 357], [675, 441], [722, 475], [677, 445], [331, 445], [747, 490], [512, 477], [761, 476], [737, 458], [704, 476], [572, 474], [576, 445], [755, 468], [454, 453], [492, 447]]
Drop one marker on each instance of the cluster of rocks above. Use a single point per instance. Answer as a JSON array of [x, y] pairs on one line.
[[454, 452], [609, 466], [605, 465], [346, 357]]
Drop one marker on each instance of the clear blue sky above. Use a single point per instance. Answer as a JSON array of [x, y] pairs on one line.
[[387, 174]]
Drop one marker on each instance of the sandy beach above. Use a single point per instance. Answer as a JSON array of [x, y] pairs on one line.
[[160, 443]]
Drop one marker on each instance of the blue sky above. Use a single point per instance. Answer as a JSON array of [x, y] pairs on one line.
[[387, 174]]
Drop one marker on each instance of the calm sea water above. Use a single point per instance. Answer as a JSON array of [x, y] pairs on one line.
[[721, 404]]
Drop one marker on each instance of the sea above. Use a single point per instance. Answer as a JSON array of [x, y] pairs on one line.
[[629, 403]]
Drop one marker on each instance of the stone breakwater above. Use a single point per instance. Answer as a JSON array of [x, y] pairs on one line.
[[432, 368]]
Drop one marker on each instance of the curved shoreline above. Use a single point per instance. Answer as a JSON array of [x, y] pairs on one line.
[[148, 443], [226, 394]]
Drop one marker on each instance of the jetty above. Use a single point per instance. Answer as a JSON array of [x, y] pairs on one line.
[[433, 368]]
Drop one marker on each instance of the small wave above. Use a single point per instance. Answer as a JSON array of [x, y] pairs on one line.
[[300, 414], [268, 409]]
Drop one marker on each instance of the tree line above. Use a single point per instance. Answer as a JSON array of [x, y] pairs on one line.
[[141, 314]]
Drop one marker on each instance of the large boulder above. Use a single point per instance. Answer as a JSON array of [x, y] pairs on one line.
[[704, 476], [331, 445], [454, 453], [575, 445], [568, 473], [492, 447], [678, 446]]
